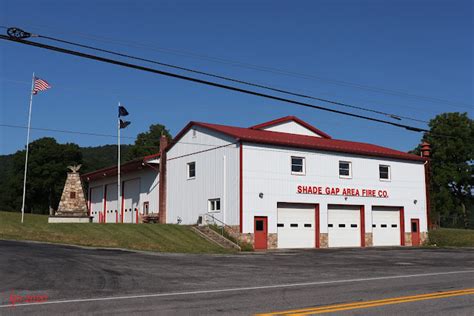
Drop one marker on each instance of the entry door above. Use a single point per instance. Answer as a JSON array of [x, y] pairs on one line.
[[260, 232], [415, 232]]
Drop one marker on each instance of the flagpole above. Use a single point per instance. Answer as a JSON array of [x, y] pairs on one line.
[[119, 195], [27, 147]]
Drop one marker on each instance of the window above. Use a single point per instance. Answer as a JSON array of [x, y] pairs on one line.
[[146, 208], [192, 170], [307, 225], [72, 195], [345, 170], [384, 172], [293, 225], [259, 225], [280, 225], [214, 205], [297, 165]]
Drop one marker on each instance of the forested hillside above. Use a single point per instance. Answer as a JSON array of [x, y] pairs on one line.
[[47, 168]]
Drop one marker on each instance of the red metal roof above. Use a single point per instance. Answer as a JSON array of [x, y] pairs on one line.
[[294, 119], [130, 166], [301, 141]]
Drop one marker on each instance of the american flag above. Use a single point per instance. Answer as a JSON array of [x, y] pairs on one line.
[[40, 85]]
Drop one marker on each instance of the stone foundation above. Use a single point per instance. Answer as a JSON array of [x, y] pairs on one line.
[[272, 241], [323, 240], [423, 238], [407, 239], [368, 240]]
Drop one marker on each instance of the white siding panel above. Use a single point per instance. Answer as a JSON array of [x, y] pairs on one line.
[[188, 198], [267, 170], [290, 127]]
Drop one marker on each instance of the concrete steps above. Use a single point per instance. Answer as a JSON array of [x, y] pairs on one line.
[[215, 237]]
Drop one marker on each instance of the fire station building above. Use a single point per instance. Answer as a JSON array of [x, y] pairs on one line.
[[279, 184]]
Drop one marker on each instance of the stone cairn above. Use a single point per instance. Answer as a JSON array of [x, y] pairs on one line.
[[72, 201]]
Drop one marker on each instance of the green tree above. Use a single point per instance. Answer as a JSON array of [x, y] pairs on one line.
[[148, 143], [452, 164], [47, 169]]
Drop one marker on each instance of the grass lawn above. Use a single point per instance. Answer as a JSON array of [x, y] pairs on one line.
[[153, 237], [447, 237]]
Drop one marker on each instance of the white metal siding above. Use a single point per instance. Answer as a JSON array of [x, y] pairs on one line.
[[296, 226], [344, 226], [267, 170], [290, 127], [216, 177], [385, 226], [148, 191]]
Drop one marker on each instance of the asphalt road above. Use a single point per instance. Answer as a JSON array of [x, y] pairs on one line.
[[72, 280]]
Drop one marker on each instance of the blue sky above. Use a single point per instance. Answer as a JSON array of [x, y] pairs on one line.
[[422, 48]]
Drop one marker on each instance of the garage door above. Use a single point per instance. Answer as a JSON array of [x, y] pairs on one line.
[[131, 195], [385, 226], [343, 226], [295, 225], [111, 216], [97, 203]]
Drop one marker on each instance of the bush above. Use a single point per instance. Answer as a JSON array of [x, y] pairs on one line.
[[449, 237]]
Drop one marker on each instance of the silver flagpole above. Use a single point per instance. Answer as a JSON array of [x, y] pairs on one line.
[[119, 195], [27, 147]]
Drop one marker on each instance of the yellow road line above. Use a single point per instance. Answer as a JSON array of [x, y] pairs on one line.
[[374, 303]]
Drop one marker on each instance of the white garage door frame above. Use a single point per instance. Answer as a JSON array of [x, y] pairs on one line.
[[401, 221], [361, 220], [316, 219]]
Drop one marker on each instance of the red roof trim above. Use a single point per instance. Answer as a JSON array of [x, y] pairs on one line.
[[294, 119], [132, 165]]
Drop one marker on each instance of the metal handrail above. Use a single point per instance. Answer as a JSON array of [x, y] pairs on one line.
[[218, 220]]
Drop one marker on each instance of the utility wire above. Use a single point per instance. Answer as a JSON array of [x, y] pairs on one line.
[[391, 115], [94, 134], [64, 131], [264, 68], [205, 82]]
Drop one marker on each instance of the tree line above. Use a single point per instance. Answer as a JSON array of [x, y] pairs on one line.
[[47, 168]]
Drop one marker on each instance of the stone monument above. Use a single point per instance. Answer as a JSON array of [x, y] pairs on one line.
[[72, 207]]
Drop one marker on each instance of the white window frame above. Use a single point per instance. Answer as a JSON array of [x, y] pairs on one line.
[[389, 173], [303, 159], [212, 205], [188, 170], [339, 169]]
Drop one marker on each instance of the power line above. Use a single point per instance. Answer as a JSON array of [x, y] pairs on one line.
[[64, 131], [93, 134], [266, 69], [205, 82], [391, 115]]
